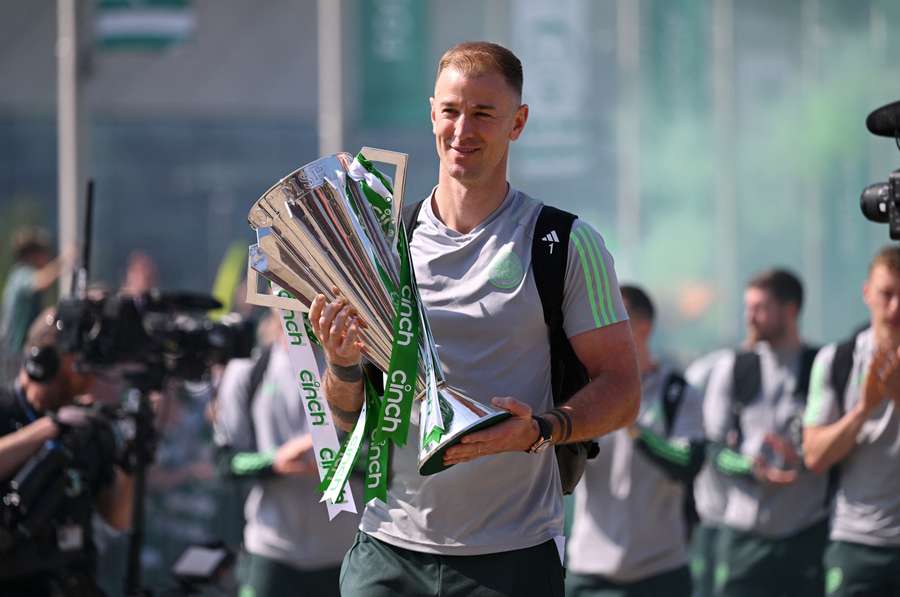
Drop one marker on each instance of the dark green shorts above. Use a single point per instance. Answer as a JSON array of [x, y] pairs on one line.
[[265, 577], [675, 583], [855, 570], [373, 568], [751, 565]]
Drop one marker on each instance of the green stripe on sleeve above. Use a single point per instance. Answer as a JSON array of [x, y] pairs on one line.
[[612, 309], [815, 400], [248, 463], [732, 463], [587, 244], [669, 451], [587, 280]]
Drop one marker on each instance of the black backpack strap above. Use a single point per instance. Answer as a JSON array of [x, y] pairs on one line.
[[807, 357], [673, 395], [746, 377], [256, 376], [410, 216], [746, 382], [841, 367], [549, 255]]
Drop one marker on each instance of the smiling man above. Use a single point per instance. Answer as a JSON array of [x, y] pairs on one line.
[[492, 525], [853, 421]]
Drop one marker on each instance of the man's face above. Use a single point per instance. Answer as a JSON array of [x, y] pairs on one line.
[[62, 389], [767, 319], [881, 294], [473, 119]]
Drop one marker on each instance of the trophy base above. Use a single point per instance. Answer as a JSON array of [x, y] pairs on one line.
[[434, 462]]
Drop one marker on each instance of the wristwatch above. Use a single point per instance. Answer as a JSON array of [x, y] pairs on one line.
[[544, 439]]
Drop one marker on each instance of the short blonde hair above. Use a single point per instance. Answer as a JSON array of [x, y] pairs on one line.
[[889, 257], [479, 57]]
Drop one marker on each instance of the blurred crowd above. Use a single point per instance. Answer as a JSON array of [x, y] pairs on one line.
[[767, 468]]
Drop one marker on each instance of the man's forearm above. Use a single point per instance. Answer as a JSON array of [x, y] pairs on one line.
[[115, 503], [609, 402], [20, 445], [827, 445], [344, 398]]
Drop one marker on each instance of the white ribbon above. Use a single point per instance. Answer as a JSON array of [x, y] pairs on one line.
[[318, 415], [359, 173]]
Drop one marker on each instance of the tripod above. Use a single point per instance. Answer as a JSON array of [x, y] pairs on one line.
[[140, 455]]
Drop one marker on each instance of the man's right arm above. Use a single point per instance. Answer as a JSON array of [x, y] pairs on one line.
[[827, 441], [337, 329], [17, 447]]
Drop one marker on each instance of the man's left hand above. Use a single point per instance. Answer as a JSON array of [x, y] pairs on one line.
[[515, 434]]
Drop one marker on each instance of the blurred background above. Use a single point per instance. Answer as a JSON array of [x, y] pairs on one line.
[[705, 139]]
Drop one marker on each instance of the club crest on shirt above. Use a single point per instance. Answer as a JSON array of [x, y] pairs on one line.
[[506, 270]]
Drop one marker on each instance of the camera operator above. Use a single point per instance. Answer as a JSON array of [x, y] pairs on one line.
[[46, 546]]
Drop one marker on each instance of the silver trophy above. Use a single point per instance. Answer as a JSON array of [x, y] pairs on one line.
[[317, 231]]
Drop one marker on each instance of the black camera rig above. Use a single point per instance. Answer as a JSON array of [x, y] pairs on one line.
[[146, 339], [880, 202]]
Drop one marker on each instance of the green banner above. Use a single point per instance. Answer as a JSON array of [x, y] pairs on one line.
[[143, 24]]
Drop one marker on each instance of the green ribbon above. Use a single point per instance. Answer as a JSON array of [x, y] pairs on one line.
[[336, 478], [377, 458], [376, 461], [400, 387]]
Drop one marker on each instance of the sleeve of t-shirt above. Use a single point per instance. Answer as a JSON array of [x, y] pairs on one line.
[[591, 298], [821, 402], [233, 424], [717, 411], [697, 373]]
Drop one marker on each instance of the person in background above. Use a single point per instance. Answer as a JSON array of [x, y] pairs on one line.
[[775, 523], [709, 487], [629, 535], [33, 272], [262, 435], [852, 428], [38, 419]]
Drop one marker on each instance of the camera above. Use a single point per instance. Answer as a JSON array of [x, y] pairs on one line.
[[155, 334], [880, 202], [34, 501]]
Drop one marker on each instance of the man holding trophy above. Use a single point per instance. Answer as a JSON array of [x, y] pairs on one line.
[[492, 525]]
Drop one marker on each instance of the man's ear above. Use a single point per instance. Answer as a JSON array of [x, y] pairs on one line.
[[519, 121], [431, 108]]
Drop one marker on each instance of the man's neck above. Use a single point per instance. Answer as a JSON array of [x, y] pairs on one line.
[[463, 207]]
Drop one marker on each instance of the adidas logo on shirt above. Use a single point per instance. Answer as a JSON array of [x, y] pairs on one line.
[[552, 239]]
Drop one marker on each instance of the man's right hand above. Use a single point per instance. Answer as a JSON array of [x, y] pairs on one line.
[[882, 380], [337, 327]]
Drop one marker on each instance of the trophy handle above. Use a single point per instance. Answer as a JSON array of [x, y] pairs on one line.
[[396, 159], [255, 297]]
